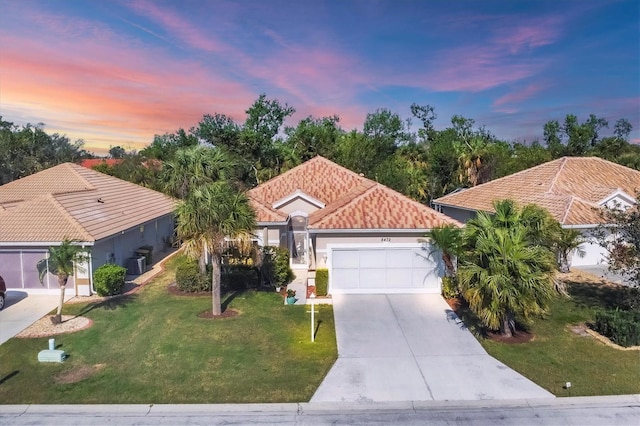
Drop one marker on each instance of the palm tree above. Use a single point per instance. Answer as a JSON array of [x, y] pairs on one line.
[[205, 218], [192, 167], [566, 242], [503, 275], [61, 262], [448, 239]]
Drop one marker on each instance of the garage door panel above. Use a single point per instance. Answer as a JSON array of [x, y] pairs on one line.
[[348, 278], [424, 279], [373, 278], [400, 258], [383, 269], [347, 259], [372, 258], [398, 278]]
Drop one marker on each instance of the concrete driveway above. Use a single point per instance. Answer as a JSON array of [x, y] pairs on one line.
[[409, 347], [22, 310]]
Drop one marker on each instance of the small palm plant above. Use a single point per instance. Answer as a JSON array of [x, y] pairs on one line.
[[61, 262]]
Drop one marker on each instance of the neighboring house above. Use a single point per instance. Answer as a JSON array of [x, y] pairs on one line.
[[109, 217], [572, 189], [90, 163], [370, 237]]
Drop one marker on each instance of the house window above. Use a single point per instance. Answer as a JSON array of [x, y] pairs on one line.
[[299, 241]]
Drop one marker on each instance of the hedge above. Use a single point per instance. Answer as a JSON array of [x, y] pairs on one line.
[[189, 278], [322, 281], [109, 279], [621, 327]]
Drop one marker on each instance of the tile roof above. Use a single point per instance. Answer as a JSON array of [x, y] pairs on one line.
[[571, 188], [351, 201], [70, 201]]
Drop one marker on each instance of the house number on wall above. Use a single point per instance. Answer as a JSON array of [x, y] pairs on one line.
[[385, 239]]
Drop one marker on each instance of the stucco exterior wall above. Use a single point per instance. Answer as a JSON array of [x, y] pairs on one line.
[[320, 241], [298, 204], [460, 215]]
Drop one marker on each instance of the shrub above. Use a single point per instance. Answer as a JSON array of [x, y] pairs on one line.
[[282, 269], [275, 266], [322, 281], [109, 279], [189, 278], [621, 327], [450, 288], [239, 277]]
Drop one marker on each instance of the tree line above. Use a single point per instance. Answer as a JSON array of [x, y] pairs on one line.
[[418, 160]]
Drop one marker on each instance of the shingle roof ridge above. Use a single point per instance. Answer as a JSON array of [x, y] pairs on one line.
[[372, 188], [339, 204], [557, 175], [75, 169], [317, 158], [263, 206], [499, 180], [70, 217], [419, 204]]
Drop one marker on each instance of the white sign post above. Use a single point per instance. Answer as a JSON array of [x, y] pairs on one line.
[[313, 318]]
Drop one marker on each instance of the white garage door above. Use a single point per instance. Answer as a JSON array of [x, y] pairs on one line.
[[383, 270]]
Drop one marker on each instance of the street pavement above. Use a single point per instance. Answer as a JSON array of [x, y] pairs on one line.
[[620, 410], [412, 347], [24, 309]]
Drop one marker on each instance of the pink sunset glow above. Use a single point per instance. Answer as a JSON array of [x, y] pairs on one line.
[[118, 73]]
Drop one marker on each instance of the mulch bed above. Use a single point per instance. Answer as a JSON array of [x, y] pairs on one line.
[[518, 337], [227, 313]]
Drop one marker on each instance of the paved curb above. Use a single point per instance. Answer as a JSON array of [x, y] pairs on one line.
[[314, 407]]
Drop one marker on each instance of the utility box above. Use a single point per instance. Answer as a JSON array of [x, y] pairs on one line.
[[145, 251], [136, 265]]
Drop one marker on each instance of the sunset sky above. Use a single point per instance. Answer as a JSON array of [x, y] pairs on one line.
[[118, 72]]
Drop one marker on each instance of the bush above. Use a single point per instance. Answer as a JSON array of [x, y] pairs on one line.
[[109, 279], [322, 281], [450, 288], [189, 278], [275, 266], [621, 327], [239, 277]]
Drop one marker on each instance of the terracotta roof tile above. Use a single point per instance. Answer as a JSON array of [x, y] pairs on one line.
[[569, 187], [380, 207], [318, 177], [351, 201], [97, 205]]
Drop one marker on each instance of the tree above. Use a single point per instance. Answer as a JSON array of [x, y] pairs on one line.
[[194, 167], [620, 235], [61, 261], [117, 152], [208, 215], [164, 146], [502, 275], [314, 136], [567, 242], [25, 150], [448, 239]]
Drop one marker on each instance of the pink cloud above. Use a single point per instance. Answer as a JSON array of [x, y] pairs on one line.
[[502, 103], [111, 92], [180, 28], [529, 34]]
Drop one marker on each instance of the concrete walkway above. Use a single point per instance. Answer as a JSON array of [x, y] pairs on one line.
[[24, 309], [411, 348]]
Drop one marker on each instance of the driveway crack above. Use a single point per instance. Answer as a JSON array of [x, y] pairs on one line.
[[395, 316]]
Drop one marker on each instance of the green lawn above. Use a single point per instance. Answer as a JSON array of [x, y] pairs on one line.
[[557, 355], [151, 347]]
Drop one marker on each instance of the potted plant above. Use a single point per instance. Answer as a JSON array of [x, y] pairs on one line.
[[291, 297]]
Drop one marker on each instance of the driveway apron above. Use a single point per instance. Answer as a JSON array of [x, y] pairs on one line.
[[22, 310], [409, 347]]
